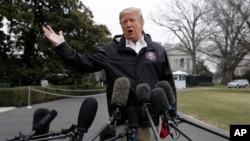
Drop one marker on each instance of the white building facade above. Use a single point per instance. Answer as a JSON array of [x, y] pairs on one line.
[[179, 59]]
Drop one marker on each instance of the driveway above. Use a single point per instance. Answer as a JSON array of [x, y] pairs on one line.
[[20, 119]]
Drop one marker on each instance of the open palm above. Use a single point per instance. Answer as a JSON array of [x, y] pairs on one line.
[[55, 39]]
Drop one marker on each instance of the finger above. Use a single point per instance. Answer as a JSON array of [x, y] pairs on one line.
[[60, 33], [50, 29], [47, 33], [44, 29]]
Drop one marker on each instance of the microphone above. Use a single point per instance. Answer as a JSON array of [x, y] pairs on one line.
[[168, 90], [160, 105], [172, 111], [170, 96], [118, 101], [86, 116], [159, 102], [120, 91], [132, 122], [119, 96], [37, 116], [143, 93], [43, 123]]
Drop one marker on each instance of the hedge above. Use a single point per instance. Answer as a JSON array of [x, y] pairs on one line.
[[19, 96]]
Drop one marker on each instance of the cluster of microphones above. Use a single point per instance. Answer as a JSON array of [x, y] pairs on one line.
[[160, 99], [42, 118]]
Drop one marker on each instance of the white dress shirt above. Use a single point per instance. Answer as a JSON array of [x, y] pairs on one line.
[[141, 43]]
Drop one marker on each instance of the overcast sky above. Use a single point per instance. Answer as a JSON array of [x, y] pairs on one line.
[[107, 12]]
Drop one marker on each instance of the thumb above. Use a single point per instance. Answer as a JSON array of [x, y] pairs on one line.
[[60, 33]]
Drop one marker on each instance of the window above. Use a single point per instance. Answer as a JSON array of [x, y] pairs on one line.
[[175, 78], [182, 63]]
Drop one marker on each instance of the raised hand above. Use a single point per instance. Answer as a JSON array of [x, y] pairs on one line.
[[55, 39]]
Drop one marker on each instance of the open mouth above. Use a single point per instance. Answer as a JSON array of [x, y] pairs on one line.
[[130, 31]]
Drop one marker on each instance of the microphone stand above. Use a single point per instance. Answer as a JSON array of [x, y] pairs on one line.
[[43, 138], [99, 131], [151, 122], [177, 129], [64, 133], [53, 138], [116, 115], [171, 122], [204, 128]]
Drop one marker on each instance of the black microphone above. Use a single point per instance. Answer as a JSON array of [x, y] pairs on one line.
[[43, 123], [159, 102], [37, 116], [143, 93], [118, 101], [86, 116], [132, 122], [119, 97], [168, 90], [170, 96]]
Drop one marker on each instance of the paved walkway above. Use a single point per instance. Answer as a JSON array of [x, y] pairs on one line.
[[13, 120], [4, 109]]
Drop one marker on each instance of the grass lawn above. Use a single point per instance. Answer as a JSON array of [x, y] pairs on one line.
[[219, 107]]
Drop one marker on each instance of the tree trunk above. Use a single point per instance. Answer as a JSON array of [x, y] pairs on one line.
[[194, 66], [227, 76]]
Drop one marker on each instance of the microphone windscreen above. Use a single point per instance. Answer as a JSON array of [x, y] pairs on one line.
[[120, 91], [45, 121], [159, 101], [168, 90], [143, 93], [37, 116], [132, 117], [87, 113]]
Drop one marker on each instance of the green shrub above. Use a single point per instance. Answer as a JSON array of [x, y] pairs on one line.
[[18, 96]]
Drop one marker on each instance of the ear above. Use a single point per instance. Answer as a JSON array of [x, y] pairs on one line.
[[142, 24]]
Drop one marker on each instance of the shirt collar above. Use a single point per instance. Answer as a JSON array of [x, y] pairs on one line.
[[141, 43]]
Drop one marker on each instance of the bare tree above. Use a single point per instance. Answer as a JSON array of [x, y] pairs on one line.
[[243, 8], [184, 20], [228, 31]]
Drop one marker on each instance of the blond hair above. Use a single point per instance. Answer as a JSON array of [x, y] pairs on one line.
[[132, 10]]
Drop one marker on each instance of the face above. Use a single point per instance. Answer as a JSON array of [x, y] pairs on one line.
[[132, 25]]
